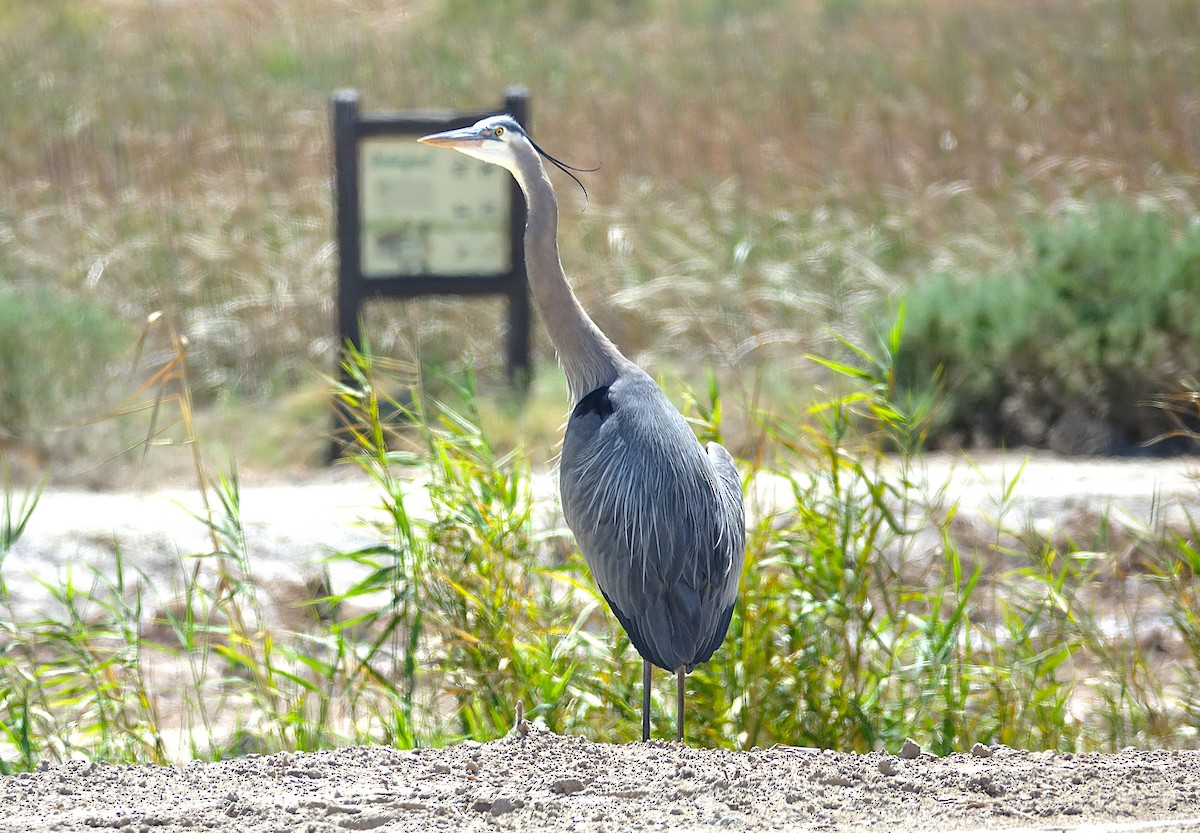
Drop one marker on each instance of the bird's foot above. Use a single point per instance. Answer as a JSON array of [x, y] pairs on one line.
[[521, 727]]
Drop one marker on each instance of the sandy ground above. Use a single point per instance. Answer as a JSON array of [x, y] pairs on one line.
[[292, 525], [539, 781]]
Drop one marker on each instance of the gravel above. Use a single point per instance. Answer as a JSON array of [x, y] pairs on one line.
[[543, 781]]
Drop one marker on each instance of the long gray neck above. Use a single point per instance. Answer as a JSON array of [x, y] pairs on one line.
[[588, 358]]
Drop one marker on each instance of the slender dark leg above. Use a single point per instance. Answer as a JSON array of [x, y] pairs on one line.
[[680, 672], [645, 701]]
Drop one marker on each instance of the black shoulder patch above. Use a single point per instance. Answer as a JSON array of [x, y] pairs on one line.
[[596, 402]]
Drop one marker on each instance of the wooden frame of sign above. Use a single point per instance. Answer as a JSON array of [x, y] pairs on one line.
[[414, 220]]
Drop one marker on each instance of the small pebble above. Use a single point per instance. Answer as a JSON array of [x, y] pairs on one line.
[[503, 805], [910, 750], [888, 766], [981, 751], [567, 786]]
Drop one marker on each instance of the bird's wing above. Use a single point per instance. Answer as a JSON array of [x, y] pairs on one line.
[[730, 483], [655, 518]]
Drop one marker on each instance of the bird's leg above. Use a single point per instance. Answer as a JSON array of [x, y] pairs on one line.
[[680, 673], [645, 700]]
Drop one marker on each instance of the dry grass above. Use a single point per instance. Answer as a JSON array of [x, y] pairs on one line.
[[790, 165]]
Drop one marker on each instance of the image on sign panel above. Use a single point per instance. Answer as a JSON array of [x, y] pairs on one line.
[[426, 212]]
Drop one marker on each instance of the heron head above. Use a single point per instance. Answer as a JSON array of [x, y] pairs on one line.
[[501, 141], [491, 140]]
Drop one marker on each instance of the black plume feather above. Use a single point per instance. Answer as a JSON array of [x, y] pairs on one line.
[[565, 168]]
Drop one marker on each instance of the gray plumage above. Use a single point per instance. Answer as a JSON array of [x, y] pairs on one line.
[[657, 516]]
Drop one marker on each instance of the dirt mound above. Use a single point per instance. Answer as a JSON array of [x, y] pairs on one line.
[[542, 781]]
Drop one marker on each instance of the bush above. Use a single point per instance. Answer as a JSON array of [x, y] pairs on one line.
[[1073, 348], [55, 353]]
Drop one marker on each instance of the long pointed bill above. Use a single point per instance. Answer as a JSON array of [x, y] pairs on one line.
[[464, 137]]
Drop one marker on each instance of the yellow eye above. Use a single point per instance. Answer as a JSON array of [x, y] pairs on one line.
[[499, 131]]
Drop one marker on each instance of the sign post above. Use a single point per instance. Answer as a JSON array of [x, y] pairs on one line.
[[414, 220]]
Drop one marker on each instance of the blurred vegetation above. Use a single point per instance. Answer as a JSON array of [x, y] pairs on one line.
[[58, 355], [771, 171], [1070, 347]]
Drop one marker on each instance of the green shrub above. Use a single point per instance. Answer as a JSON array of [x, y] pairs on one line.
[[56, 351], [1072, 348]]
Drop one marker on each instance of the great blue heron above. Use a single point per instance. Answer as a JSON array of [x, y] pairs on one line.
[[657, 516]]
